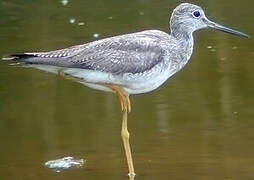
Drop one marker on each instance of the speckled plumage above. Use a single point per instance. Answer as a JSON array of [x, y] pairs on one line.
[[128, 64], [139, 62]]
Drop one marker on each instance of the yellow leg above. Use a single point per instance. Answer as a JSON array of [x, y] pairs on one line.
[[126, 108], [125, 137]]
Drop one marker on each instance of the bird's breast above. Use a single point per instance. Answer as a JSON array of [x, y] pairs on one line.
[[146, 81]]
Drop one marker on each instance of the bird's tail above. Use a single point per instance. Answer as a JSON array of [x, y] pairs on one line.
[[17, 57], [27, 60]]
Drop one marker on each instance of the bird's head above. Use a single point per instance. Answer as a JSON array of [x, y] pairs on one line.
[[187, 18]]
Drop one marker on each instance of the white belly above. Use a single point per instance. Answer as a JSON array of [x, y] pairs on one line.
[[131, 83]]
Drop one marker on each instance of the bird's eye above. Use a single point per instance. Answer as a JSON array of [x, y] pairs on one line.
[[196, 14]]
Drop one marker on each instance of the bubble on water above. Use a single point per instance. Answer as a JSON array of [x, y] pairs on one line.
[[209, 47], [64, 2], [223, 59], [96, 35], [64, 163], [72, 20], [141, 13]]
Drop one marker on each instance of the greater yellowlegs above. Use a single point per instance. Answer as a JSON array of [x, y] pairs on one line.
[[131, 63]]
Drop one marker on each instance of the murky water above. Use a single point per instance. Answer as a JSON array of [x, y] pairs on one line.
[[200, 125]]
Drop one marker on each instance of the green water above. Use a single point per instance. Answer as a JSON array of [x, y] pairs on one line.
[[200, 125]]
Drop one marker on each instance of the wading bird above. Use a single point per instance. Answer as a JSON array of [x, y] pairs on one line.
[[128, 64]]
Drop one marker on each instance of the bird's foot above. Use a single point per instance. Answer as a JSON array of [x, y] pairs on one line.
[[131, 175]]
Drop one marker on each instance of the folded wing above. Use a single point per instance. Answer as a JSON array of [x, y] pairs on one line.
[[130, 53]]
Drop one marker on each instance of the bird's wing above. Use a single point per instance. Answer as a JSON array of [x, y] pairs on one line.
[[130, 53]]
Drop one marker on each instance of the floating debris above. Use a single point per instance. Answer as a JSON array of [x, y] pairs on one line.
[[209, 47], [81, 23], [96, 35], [14, 64], [8, 58], [64, 2], [234, 47], [64, 163], [213, 50], [72, 20], [110, 17]]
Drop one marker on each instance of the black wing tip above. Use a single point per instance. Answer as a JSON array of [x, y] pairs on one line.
[[13, 57]]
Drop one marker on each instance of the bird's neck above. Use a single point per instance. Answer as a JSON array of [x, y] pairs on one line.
[[184, 40], [185, 43], [182, 34]]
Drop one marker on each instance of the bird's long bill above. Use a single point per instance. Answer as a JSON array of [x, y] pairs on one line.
[[225, 29]]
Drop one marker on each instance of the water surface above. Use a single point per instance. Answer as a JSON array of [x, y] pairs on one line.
[[199, 125]]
